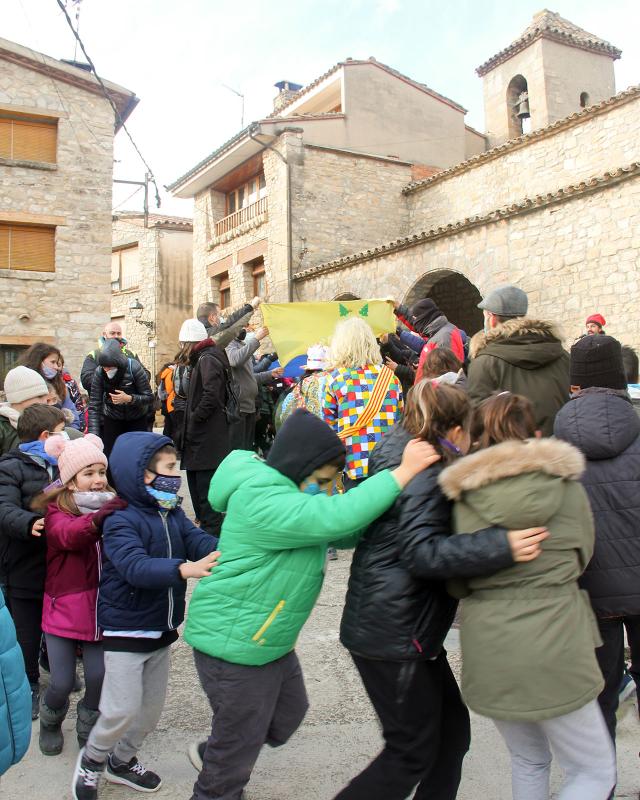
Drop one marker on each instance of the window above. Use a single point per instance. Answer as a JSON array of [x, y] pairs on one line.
[[584, 99], [25, 138], [9, 355], [224, 287], [245, 195], [259, 280], [125, 268], [27, 247]]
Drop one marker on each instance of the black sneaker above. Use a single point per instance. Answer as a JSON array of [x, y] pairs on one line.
[[196, 754], [35, 700], [132, 774], [86, 777]]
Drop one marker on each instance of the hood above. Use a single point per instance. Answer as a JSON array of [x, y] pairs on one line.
[[198, 349], [242, 468], [602, 423], [522, 502], [423, 313], [111, 355], [128, 460], [525, 343], [8, 412]]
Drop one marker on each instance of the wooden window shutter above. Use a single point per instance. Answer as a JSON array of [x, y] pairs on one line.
[[27, 247], [28, 139]]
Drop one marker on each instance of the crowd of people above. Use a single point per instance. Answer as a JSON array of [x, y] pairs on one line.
[[493, 477]]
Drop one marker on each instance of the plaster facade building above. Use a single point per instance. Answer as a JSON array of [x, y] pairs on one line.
[[555, 209], [56, 168], [151, 282]]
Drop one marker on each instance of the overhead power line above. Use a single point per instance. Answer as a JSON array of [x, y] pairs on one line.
[[109, 98]]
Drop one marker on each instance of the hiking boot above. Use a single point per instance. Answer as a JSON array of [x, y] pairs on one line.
[[87, 718], [196, 754], [35, 700], [627, 688], [332, 554], [132, 774], [51, 719], [86, 777]]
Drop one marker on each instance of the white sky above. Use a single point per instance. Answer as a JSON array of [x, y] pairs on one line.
[[176, 56]]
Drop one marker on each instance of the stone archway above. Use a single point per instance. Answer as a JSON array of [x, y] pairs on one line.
[[455, 296], [346, 296]]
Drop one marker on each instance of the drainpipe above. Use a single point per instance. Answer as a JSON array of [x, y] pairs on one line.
[[266, 146]]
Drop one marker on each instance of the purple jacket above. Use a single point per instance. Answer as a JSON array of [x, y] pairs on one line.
[[74, 563]]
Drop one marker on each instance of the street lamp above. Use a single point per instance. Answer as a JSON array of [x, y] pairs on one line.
[[136, 308]]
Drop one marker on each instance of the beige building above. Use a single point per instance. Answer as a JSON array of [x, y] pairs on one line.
[[151, 282], [556, 210], [56, 168]]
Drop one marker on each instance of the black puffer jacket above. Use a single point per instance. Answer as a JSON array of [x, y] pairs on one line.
[[397, 607], [604, 425], [130, 378], [22, 556]]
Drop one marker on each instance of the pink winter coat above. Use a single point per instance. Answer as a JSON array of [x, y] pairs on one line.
[[74, 563]]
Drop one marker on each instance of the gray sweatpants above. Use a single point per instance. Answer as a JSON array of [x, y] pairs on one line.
[[133, 695], [581, 743]]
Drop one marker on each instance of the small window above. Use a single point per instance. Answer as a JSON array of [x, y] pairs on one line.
[[24, 138], [259, 280], [584, 99], [125, 268], [9, 355], [224, 287], [27, 247]]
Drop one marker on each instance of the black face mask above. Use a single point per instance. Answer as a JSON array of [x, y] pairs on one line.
[[242, 335]]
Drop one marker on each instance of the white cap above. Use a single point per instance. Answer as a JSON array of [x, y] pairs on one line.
[[22, 383], [317, 357], [192, 330]]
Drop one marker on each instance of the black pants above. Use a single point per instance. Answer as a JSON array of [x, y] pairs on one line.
[[242, 434], [611, 660], [27, 618], [112, 428], [426, 731], [252, 706], [62, 664], [199, 481]]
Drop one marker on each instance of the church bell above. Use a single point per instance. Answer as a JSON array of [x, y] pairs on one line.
[[522, 106]]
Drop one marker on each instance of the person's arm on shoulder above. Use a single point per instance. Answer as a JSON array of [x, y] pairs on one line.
[[69, 531], [197, 542], [124, 548], [213, 389]]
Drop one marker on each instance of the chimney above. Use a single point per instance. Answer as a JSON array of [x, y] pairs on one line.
[[286, 92]]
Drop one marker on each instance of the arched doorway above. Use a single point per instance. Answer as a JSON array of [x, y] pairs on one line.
[[454, 295], [346, 296]]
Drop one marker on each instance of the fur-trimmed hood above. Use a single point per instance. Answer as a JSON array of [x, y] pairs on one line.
[[521, 331], [510, 459]]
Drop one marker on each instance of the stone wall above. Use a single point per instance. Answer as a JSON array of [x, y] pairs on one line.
[[574, 257], [70, 305], [585, 147]]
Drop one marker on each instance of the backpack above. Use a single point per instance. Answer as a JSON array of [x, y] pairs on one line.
[[181, 379], [232, 392]]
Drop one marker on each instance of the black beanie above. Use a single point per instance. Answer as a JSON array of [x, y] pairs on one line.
[[303, 444], [423, 313], [597, 361]]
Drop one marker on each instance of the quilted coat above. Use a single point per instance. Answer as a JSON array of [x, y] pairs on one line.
[[15, 695]]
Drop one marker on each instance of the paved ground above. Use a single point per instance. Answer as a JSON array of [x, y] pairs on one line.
[[339, 737]]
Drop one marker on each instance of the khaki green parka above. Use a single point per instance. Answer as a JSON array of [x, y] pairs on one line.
[[528, 634]]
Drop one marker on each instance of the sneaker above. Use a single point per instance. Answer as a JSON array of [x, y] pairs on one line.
[[196, 754], [627, 688], [332, 554], [35, 701], [86, 778], [132, 774]]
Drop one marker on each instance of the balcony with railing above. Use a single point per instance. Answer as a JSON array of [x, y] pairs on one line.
[[252, 212]]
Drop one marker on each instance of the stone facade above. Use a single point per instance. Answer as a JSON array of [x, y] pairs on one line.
[[164, 286], [66, 306]]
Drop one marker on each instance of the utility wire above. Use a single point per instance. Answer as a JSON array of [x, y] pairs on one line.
[[126, 200], [109, 98]]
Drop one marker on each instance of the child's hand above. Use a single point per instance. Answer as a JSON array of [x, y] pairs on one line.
[[117, 504], [37, 528], [199, 569], [525, 544], [418, 455]]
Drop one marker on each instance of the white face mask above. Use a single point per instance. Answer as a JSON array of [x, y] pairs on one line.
[[250, 336], [222, 320], [111, 373]]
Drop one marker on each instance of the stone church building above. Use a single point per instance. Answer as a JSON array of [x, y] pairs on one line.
[[367, 183]]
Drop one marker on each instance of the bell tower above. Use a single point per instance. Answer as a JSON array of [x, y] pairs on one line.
[[552, 70]]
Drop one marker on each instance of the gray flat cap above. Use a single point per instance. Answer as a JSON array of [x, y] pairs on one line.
[[506, 301]]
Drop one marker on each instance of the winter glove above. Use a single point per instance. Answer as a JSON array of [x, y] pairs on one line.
[[117, 504]]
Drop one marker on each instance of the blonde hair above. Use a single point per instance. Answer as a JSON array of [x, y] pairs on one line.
[[353, 345]]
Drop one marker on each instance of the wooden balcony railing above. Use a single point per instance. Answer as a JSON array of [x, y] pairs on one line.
[[236, 219]]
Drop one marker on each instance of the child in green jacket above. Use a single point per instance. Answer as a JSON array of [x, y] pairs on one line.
[[244, 619]]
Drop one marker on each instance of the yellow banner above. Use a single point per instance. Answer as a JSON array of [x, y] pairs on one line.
[[294, 327]]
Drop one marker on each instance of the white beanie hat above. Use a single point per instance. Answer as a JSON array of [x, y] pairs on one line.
[[22, 383], [192, 330]]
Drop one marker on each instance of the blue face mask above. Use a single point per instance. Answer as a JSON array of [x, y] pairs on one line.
[[49, 372], [312, 488], [169, 484], [326, 488]]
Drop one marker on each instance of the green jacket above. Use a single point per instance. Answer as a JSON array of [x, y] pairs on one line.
[[274, 543], [8, 434], [523, 356], [527, 633]]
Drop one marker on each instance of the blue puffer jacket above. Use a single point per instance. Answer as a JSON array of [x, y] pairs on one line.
[[140, 585], [15, 695]]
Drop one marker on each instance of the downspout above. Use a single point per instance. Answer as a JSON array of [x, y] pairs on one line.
[[289, 242]]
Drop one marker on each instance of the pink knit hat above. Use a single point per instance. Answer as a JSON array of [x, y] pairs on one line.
[[76, 454]]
